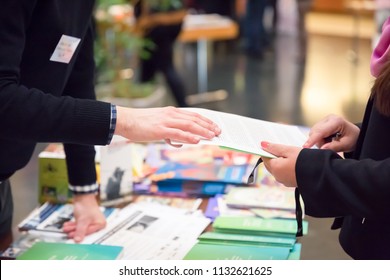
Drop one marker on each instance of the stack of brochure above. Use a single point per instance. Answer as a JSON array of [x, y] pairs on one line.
[[192, 171], [248, 238]]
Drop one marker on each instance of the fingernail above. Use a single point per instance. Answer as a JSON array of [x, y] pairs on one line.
[[264, 144], [77, 238]]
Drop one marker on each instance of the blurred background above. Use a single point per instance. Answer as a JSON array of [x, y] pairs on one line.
[[290, 61]]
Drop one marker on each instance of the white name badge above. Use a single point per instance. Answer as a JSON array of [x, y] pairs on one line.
[[65, 49]]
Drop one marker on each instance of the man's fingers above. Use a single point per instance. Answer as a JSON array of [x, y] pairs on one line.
[[94, 228], [169, 142], [69, 226], [202, 121], [185, 131], [81, 229]]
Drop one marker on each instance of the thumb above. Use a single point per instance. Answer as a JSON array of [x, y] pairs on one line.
[[275, 149], [335, 146]]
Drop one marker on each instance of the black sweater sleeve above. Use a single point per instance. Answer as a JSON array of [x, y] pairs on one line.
[[29, 112], [47, 101], [332, 186], [80, 159]]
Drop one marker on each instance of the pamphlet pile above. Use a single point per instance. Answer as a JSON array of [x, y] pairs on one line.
[[248, 238], [193, 171]]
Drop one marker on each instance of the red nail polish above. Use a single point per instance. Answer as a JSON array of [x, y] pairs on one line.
[[264, 144]]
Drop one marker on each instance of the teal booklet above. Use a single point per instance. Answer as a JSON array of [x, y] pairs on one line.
[[258, 226], [67, 251], [232, 252], [246, 240], [295, 253]]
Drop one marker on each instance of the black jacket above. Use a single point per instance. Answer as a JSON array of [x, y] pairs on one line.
[[356, 189], [46, 101]]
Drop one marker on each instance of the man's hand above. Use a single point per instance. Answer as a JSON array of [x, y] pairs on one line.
[[167, 123], [88, 217]]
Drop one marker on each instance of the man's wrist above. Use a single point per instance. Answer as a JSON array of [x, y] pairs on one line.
[[84, 198], [112, 123], [86, 189]]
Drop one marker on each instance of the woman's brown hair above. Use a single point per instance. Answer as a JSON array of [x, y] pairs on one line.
[[380, 91]]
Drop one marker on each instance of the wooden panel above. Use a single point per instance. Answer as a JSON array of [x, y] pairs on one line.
[[339, 6], [329, 5]]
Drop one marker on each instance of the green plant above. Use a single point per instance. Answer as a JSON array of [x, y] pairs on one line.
[[115, 49], [116, 46]]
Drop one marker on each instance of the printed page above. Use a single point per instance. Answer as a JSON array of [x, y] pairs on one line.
[[150, 231], [116, 179], [245, 134]]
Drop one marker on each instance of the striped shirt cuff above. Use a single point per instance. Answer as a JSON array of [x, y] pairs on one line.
[[84, 189], [112, 124]]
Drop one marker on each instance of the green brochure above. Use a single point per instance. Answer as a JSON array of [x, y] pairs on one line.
[[230, 252], [243, 239], [257, 226], [67, 251]]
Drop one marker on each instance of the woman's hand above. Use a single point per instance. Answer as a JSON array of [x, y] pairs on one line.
[[282, 167], [321, 134]]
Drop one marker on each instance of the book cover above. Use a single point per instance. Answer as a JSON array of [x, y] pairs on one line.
[[225, 210], [208, 172], [212, 210], [231, 252], [50, 217], [243, 239], [263, 196], [26, 239], [53, 185], [183, 189], [116, 171], [67, 251], [267, 198], [270, 213], [258, 226], [266, 213], [202, 154], [38, 215], [53, 177], [190, 204], [190, 188], [203, 170]]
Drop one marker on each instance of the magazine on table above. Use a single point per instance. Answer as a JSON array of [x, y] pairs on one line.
[[50, 217], [150, 231]]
